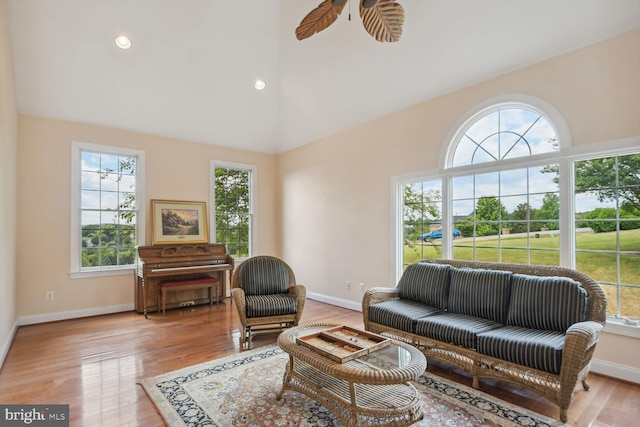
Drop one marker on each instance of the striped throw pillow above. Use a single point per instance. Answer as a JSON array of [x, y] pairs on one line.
[[480, 293], [546, 303], [426, 283]]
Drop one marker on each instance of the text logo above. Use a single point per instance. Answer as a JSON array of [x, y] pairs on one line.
[[34, 415]]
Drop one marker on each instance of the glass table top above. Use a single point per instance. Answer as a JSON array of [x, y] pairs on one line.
[[392, 356]]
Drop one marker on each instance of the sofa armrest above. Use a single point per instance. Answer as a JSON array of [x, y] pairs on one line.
[[579, 343], [374, 296], [584, 334], [377, 295]]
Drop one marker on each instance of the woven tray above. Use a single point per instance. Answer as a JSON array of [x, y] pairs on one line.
[[343, 343]]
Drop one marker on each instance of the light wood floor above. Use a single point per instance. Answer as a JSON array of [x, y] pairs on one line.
[[93, 364]]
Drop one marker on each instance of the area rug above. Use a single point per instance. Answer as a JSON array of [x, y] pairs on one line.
[[240, 390]]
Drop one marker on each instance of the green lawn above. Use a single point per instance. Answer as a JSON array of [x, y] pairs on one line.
[[545, 250]]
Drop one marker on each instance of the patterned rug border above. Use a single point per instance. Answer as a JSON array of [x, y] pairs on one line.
[[471, 400]]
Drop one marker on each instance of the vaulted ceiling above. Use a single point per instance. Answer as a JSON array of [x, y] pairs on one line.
[[191, 69]]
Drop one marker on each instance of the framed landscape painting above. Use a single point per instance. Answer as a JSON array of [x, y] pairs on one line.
[[176, 221]]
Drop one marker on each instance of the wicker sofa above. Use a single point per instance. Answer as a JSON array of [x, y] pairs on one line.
[[536, 326]]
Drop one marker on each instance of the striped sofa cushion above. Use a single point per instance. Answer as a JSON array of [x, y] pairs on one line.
[[546, 303], [426, 283], [400, 314], [534, 348], [480, 293], [260, 276], [457, 329], [270, 305]]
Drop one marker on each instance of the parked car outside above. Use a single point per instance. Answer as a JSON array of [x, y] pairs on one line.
[[437, 234]]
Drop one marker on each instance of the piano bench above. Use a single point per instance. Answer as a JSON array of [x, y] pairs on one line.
[[188, 285]]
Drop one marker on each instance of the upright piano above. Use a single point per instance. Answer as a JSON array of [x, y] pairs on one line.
[[158, 263]]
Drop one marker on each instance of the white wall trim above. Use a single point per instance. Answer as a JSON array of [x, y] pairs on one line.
[[73, 314], [619, 328], [7, 344], [615, 370], [118, 271], [339, 302], [615, 147]]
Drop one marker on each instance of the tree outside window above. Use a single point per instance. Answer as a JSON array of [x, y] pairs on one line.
[[232, 199], [422, 212]]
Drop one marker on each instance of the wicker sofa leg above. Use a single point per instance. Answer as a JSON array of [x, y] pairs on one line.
[[585, 384], [563, 414], [476, 382]]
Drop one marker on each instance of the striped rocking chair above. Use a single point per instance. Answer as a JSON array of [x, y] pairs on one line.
[[265, 293]]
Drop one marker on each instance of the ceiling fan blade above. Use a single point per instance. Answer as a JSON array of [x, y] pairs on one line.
[[383, 20], [320, 18]]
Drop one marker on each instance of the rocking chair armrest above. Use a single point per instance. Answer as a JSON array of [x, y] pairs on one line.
[[299, 291], [238, 299]]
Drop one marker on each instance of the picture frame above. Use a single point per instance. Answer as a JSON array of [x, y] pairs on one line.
[[176, 221]]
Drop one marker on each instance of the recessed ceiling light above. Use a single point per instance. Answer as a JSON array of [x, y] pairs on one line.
[[123, 42], [260, 84]]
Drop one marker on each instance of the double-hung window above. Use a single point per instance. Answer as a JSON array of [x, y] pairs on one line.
[[232, 198], [107, 209], [422, 213], [607, 218]]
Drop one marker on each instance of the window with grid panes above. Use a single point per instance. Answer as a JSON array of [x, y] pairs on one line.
[[106, 213], [233, 209]]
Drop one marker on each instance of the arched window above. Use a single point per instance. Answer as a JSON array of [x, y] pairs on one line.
[[505, 205], [504, 132]]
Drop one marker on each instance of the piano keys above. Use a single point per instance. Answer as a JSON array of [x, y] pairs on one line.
[[159, 263]]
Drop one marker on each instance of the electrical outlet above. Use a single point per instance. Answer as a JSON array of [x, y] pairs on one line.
[[361, 287], [49, 296], [348, 285]]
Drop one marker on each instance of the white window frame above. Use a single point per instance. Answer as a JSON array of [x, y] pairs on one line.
[[253, 182], [397, 214], [76, 270]]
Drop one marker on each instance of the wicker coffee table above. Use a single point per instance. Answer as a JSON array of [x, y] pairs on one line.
[[372, 389]]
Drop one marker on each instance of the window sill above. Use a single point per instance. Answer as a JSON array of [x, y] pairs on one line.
[[102, 273], [620, 327]]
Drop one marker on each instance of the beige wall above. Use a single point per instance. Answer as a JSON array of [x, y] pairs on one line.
[[336, 193], [176, 170], [8, 184]]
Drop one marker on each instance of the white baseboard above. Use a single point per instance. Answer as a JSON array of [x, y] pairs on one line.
[[614, 370], [74, 314], [7, 344], [335, 301]]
